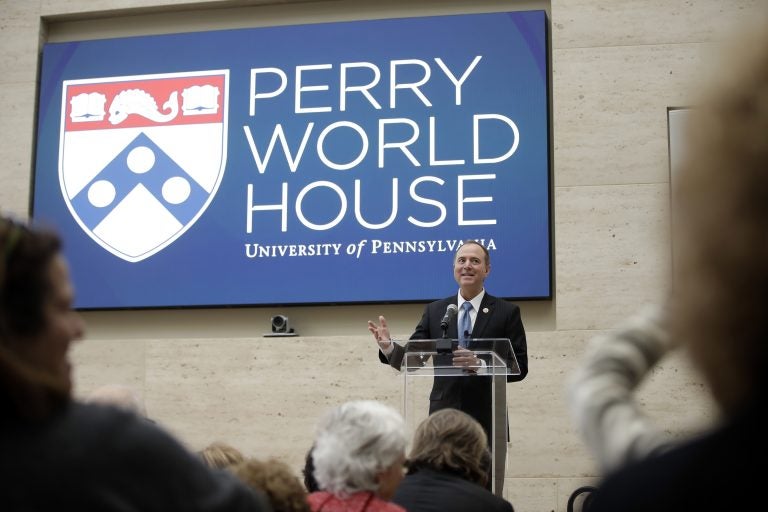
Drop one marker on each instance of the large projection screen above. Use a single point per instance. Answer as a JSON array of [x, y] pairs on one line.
[[308, 164]]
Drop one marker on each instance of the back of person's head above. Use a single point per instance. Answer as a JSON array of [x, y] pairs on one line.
[[118, 395], [276, 480], [355, 443], [451, 441], [27, 388], [720, 292], [221, 455]]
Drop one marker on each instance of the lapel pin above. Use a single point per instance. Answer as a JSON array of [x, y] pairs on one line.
[[485, 310]]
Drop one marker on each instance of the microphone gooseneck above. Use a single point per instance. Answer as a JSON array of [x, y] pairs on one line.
[[450, 312]]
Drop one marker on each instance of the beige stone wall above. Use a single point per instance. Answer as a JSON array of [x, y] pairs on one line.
[[209, 374]]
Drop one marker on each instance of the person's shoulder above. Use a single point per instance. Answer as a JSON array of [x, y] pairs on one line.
[[461, 493], [380, 505], [107, 416], [502, 505], [98, 418], [488, 500], [79, 432], [440, 304], [680, 478], [498, 302], [317, 498], [97, 455], [443, 302], [101, 424]]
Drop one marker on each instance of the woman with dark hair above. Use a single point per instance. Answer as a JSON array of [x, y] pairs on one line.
[[37, 325], [58, 454], [448, 467]]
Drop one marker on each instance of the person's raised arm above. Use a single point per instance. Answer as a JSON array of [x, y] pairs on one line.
[[601, 391]]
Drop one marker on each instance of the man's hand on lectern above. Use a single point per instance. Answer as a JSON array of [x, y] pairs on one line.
[[466, 359]]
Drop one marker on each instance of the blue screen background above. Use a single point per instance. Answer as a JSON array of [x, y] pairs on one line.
[[208, 266]]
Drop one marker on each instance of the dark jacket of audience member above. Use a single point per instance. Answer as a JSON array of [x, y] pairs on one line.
[[448, 467], [61, 455]]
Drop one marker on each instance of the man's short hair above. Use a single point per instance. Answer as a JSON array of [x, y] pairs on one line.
[[475, 242]]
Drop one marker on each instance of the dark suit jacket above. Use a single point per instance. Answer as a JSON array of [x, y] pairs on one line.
[[469, 394], [433, 491], [717, 471]]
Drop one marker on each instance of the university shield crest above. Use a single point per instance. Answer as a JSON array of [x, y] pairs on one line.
[[141, 157]]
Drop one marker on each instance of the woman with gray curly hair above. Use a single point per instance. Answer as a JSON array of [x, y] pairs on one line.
[[448, 467], [358, 456]]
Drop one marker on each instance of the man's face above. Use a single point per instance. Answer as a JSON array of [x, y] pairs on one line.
[[470, 268], [48, 350]]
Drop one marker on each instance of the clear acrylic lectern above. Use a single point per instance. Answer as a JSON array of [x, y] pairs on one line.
[[433, 358]]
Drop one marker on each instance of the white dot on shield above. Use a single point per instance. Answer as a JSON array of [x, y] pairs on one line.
[[141, 159], [176, 190], [101, 193]]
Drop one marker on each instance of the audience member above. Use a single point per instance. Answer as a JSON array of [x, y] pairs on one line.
[[718, 300], [58, 454], [118, 395], [448, 467], [220, 455], [275, 479], [358, 455], [309, 472]]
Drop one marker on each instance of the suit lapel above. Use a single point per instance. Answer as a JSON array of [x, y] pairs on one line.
[[486, 310]]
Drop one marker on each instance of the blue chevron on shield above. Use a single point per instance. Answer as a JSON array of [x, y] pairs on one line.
[[142, 157]]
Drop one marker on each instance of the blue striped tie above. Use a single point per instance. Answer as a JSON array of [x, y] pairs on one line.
[[465, 325]]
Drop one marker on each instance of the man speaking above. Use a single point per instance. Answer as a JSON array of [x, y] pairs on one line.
[[480, 315]]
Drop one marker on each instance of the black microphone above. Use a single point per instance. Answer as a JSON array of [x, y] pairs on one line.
[[444, 346], [450, 312]]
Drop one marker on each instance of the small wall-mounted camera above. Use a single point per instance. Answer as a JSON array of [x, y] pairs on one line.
[[280, 327]]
